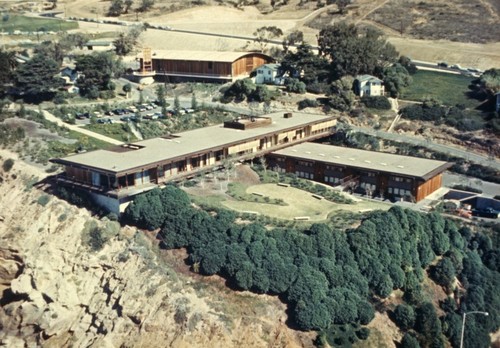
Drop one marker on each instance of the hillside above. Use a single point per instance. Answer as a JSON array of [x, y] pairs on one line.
[[429, 30], [59, 293]]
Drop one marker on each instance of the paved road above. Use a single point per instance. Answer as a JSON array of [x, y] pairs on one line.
[[454, 151], [75, 128]]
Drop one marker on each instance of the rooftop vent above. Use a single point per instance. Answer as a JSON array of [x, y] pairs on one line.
[[400, 166], [287, 115], [366, 161], [322, 154], [351, 159], [382, 163], [248, 122]]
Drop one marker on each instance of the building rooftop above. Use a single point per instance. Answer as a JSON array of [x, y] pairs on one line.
[[182, 145], [362, 78], [98, 43], [205, 56], [369, 160]]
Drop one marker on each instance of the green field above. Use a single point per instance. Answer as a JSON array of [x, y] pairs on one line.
[[449, 89], [11, 22]]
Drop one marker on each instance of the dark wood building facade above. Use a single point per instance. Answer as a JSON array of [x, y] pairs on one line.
[[372, 173], [196, 65]]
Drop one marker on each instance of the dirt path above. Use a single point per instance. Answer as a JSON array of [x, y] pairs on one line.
[[75, 128], [379, 5]]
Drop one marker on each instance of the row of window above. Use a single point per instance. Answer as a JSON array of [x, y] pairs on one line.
[[332, 180], [400, 179], [304, 163], [305, 175], [399, 192], [368, 186], [334, 168]]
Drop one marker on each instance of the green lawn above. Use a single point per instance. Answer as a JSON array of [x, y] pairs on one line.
[[450, 89], [299, 203], [11, 22]]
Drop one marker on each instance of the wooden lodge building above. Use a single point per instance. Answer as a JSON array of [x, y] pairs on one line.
[[202, 65], [373, 173], [113, 176]]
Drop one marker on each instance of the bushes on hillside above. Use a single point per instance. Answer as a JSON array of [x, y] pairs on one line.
[[7, 165], [246, 89], [376, 102], [307, 103], [455, 116]]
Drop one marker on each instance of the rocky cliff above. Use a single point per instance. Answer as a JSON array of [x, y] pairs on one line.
[[58, 292]]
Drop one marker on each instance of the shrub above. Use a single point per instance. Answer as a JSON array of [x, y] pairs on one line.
[[307, 103], [376, 102], [43, 200], [295, 86], [96, 239], [8, 164]]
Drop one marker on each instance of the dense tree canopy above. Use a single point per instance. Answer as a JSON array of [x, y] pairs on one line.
[[97, 70], [328, 277], [351, 52], [8, 65], [36, 79]]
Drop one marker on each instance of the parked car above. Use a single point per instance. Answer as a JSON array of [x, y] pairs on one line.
[[486, 213], [125, 118], [443, 64]]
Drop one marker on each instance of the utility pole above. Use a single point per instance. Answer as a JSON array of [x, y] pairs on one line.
[[464, 315]]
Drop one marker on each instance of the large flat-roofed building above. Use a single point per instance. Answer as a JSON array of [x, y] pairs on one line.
[[204, 65], [115, 175], [375, 173]]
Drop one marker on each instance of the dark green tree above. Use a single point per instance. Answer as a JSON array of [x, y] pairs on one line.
[[295, 38], [116, 8], [146, 5], [396, 78], [97, 72], [8, 64], [428, 325], [307, 65], [444, 272], [409, 341], [36, 78], [404, 316], [352, 52]]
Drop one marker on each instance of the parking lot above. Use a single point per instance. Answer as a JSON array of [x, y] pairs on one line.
[[146, 111]]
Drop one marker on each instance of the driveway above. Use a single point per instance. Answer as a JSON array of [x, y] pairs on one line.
[[75, 128]]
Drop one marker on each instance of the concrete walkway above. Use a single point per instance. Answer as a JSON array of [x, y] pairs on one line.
[[78, 129]]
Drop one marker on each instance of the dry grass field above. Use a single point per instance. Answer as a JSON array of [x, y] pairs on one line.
[[432, 32], [458, 20]]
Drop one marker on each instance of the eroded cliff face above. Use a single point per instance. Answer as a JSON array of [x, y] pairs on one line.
[[56, 292]]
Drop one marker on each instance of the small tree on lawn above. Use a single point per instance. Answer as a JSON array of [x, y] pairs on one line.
[[127, 89]]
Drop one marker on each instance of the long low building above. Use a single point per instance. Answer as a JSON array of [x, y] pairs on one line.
[[374, 173], [201, 65], [115, 175]]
